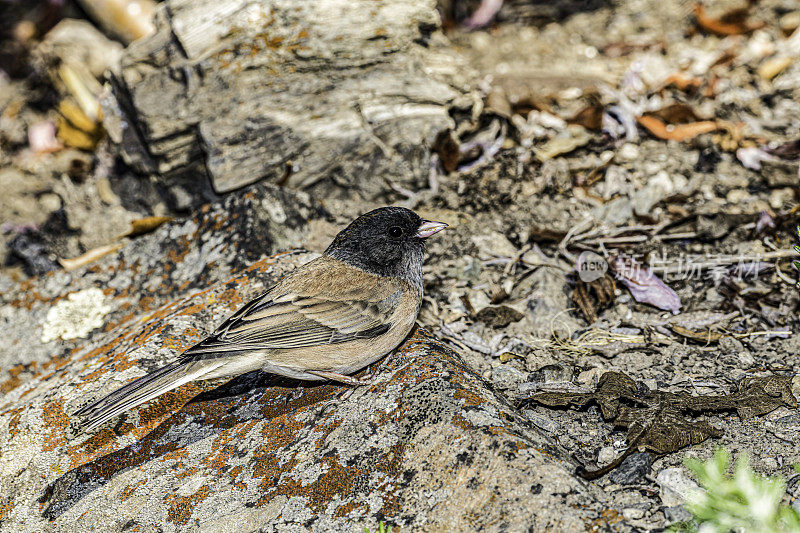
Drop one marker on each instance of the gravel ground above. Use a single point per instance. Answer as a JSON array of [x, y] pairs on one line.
[[705, 189]]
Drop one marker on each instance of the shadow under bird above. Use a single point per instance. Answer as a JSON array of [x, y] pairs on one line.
[[328, 318]]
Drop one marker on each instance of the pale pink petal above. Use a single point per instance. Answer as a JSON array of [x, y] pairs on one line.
[[484, 14], [42, 137], [645, 286]]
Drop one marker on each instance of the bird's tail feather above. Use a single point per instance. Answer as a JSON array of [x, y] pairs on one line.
[[142, 390]]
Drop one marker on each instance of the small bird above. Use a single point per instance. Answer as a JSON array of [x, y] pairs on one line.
[[328, 318]]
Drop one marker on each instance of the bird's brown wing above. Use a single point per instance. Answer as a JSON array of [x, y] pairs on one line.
[[312, 307]]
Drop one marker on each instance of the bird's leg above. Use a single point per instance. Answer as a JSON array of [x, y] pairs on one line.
[[347, 380], [339, 398], [367, 378], [385, 363], [341, 378]]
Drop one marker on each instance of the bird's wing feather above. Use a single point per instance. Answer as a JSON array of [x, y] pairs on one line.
[[297, 313]]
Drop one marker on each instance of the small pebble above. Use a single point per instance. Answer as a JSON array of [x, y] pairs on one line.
[[628, 152], [606, 455]]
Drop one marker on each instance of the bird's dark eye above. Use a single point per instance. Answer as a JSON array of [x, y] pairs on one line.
[[395, 232]]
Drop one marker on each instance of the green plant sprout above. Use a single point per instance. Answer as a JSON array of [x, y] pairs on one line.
[[382, 528], [743, 501]]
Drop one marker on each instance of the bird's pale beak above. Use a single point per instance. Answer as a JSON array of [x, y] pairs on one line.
[[428, 228]]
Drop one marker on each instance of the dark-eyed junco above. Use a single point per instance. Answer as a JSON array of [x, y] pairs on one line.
[[329, 318]]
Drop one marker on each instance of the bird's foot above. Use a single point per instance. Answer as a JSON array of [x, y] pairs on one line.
[[294, 394], [341, 378]]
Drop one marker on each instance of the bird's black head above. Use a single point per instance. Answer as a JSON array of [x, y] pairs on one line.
[[388, 241]]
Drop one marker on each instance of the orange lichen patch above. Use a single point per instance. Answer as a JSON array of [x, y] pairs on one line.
[[176, 255], [93, 376], [181, 507], [607, 518], [146, 303], [5, 508], [151, 416], [153, 412], [471, 399], [337, 482], [232, 298], [13, 424], [130, 490], [544, 452], [28, 296], [348, 508], [14, 380], [56, 422], [191, 309]]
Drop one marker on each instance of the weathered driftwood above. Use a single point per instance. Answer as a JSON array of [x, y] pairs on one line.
[[323, 93]]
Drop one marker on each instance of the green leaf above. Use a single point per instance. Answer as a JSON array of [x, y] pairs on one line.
[[742, 501]]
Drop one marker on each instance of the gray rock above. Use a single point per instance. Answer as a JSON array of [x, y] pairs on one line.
[[303, 93], [676, 514], [428, 446], [633, 469], [548, 303], [546, 424], [676, 486], [178, 258], [507, 377]]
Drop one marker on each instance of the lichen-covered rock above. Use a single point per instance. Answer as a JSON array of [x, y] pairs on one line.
[[338, 94], [178, 258], [428, 446]]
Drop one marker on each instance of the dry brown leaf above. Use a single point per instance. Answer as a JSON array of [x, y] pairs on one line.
[[684, 83], [679, 132], [497, 102], [594, 296], [446, 146], [734, 22], [145, 225], [76, 129], [590, 117], [664, 422], [505, 357], [77, 117], [74, 137], [677, 113]]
